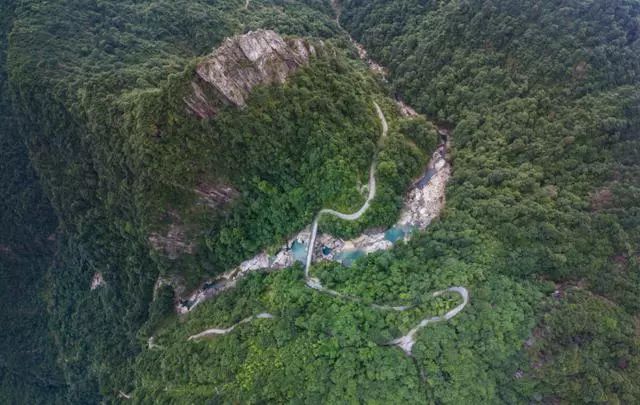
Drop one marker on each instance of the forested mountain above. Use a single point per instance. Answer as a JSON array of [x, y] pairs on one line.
[[149, 148], [545, 99], [28, 371]]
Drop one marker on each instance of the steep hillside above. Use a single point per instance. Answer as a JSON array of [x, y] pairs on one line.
[[545, 101], [473, 189], [161, 160], [28, 370]]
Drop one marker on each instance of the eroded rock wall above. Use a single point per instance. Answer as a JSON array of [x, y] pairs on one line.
[[228, 75]]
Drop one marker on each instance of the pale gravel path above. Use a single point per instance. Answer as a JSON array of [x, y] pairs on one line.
[[217, 331], [407, 341]]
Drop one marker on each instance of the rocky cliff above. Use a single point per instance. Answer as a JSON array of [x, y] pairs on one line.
[[228, 75]]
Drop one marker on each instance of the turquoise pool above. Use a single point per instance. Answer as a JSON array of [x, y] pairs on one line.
[[394, 234], [349, 256], [299, 251]]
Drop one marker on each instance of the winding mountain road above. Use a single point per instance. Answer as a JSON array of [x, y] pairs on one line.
[[405, 342], [357, 214], [218, 331]]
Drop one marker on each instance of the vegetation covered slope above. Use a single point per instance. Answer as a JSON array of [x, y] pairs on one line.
[[541, 222], [28, 371], [541, 225], [545, 101], [121, 158]]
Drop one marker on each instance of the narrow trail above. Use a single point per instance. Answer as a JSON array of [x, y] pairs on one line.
[[355, 215], [217, 331], [405, 342], [246, 4]]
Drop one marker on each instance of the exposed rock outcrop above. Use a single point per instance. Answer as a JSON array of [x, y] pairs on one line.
[[373, 65], [179, 237], [368, 243], [174, 242], [228, 75], [215, 196], [426, 199], [261, 261], [405, 109], [97, 280], [177, 283]]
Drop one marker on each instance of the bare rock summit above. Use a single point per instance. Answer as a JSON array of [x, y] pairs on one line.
[[228, 75]]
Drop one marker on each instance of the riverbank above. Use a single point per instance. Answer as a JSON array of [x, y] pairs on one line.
[[422, 204]]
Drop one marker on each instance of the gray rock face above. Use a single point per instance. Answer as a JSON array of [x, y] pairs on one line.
[[228, 75], [215, 195], [97, 280], [175, 241]]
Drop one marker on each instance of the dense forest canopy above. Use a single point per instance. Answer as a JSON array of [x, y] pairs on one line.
[[28, 371], [545, 100], [101, 159]]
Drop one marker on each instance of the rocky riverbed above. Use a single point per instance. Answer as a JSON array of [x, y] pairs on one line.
[[423, 202]]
